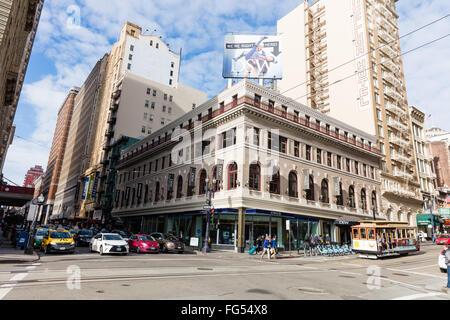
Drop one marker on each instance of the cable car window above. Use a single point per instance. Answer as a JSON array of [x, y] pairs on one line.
[[399, 234], [355, 233], [371, 234], [363, 233], [403, 233]]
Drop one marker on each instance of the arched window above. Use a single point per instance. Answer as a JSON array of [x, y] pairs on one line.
[[179, 187], [351, 197], [293, 192], [340, 199], [232, 176], [310, 191], [275, 182], [202, 187], [254, 179], [324, 191], [363, 199], [190, 189], [374, 201], [157, 192]]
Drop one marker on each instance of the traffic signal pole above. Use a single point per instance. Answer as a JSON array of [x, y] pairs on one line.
[[210, 191]]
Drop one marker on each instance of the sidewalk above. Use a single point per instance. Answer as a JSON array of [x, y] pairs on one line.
[[9, 254]]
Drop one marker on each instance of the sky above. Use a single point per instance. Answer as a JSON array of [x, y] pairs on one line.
[[74, 34]]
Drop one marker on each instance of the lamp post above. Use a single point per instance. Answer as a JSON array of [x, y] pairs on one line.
[[210, 190], [430, 206], [29, 247]]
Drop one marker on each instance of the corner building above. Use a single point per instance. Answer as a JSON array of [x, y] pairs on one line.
[[275, 161]]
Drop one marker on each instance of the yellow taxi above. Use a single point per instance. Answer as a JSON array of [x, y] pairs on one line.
[[58, 241]]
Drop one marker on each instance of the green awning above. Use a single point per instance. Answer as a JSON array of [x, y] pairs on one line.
[[424, 219], [444, 211]]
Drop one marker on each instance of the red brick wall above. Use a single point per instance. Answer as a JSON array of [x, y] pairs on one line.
[[441, 163]]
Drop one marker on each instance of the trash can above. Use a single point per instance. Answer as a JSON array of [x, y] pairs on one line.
[[22, 240]]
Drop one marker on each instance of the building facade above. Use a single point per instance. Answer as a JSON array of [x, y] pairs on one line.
[[80, 141], [19, 20], [56, 157], [32, 174], [139, 92], [343, 58], [272, 160]]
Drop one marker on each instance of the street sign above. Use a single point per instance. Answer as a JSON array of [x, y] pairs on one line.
[[288, 224], [206, 207]]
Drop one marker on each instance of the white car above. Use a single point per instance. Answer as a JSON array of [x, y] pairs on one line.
[[104, 243], [441, 262]]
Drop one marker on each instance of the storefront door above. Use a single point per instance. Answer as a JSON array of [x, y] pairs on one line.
[[249, 239]]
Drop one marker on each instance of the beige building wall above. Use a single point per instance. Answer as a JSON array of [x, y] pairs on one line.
[[354, 73]]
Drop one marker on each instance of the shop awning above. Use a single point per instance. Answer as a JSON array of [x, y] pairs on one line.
[[347, 221]]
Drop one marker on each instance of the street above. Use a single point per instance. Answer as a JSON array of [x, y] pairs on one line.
[[223, 276]]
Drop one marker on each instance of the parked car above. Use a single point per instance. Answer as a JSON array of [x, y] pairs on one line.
[[443, 239], [40, 233], [104, 243], [125, 235], [143, 243], [441, 262], [58, 241], [83, 237], [168, 243]]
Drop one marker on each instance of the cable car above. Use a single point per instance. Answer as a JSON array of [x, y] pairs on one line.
[[377, 239]]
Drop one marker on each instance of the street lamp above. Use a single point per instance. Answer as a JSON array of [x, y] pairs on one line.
[[430, 206], [210, 190], [39, 201]]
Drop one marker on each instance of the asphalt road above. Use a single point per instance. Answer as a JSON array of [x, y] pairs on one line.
[[224, 276]]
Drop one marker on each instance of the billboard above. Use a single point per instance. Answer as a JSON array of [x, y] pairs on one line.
[[252, 56]]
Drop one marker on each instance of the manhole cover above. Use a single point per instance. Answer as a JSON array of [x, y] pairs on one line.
[[205, 269], [261, 291]]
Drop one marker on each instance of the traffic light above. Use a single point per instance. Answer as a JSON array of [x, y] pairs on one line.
[[212, 215]]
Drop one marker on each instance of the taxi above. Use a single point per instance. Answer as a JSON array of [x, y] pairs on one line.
[[58, 241]]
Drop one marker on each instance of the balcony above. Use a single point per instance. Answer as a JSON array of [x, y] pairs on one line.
[[114, 106], [400, 142], [388, 51], [395, 109], [393, 80], [400, 158], [390, 65], [112, 119], [386, 36], [397, 125]]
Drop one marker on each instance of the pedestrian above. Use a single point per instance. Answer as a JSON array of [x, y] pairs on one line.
[[447, 262], [273, 245], [266, 247]]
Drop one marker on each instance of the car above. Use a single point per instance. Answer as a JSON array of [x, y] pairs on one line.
[[40, 233], [58, 241], [125, 235], [83, 237], [441, 262], [443, 239], [168, 242], [105, 243], [143, 243]]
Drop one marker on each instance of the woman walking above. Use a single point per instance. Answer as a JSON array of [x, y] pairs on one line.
[[266, 247]]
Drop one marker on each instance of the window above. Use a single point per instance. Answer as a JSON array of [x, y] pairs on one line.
[[171, 73], [147, 103], [154, 92], [172, 64], [378, 114], [283, 145], [162, 121], [157, 45], [374, 201], [377, 98], [169, 110], [151, 117], [145, 116], [202, 186], [296, 149], [170, 98], [380, 131], [363, 234], [351, 197], [319, 156], [363, 199], [275, 182], [179, 187], [157, 192], [232, 176], [164, 108], [163, 162], [364, 170], [170, 82], [227, 139], [151, 42], [310, 191], [143, 129], [355, 234], [131, 48], [254, 180], [129, 66], [308, 153], [153, 105], [308, 120], [257, 100], [130, 57], [293, 185], [356, 167], [149, 90], [340, 197], [329, 162], [324, 192], [338, 162], [256, 135], [165, 96]]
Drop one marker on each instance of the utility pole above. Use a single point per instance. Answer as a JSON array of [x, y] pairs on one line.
[[210, 190], [430, 206], [29, 247]]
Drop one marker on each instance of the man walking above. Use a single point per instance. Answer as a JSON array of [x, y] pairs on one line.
[[447, 262]]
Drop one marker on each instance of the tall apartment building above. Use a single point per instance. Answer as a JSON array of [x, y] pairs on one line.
[[140, 77], [55, 159], [32, 174], [19, 20], [80, 141], [343, 58], [423, 156], [440, 149]]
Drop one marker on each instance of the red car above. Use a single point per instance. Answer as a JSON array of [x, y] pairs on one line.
[[143, 243], [443, 239]]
